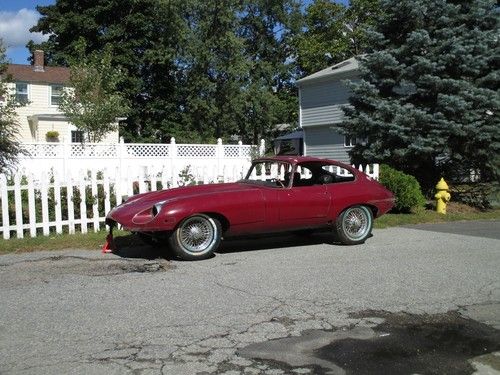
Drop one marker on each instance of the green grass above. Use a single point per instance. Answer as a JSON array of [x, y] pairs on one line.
[[95, 240], [428, 216], [91, 240]]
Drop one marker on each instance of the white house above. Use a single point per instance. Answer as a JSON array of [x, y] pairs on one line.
[[40, 87], [322, 96]]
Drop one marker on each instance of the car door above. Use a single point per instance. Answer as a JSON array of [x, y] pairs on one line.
[[304, 201]]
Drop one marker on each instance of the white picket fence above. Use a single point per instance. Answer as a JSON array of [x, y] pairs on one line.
[[64, 157], [42, 204]]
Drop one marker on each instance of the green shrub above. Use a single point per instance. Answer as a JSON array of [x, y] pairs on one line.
[[482, 195], [52, 135], [406, 189]]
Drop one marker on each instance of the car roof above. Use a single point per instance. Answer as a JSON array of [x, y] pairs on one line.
[[290, 159], [300, 159]]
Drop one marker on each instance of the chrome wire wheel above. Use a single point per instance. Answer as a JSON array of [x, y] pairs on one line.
[[197, 237], [355, 225], [196, 234]]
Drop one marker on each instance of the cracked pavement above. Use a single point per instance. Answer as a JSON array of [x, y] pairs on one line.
[[82, 312]]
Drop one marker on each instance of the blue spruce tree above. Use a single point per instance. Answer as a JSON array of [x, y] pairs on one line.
[[428, 99]]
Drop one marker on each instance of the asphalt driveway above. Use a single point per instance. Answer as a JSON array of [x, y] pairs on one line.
[[480, 228], [82, 312]]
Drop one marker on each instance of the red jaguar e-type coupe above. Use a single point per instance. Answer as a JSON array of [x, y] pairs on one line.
[[278, 194]]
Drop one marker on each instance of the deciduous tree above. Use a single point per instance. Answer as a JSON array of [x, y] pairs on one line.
[[9, 146], [93, 102], [333, 32]]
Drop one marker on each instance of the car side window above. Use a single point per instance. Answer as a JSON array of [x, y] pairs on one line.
[[303, 176], [334, 173]]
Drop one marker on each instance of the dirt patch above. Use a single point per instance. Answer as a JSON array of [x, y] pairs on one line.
[[50, 268]]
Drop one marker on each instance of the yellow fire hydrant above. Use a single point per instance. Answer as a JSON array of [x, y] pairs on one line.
[[442, 196]]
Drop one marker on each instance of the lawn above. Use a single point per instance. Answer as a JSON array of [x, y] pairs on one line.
[[95, 240]]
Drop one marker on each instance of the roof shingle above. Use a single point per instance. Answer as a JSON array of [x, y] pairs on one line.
[[50, 74]]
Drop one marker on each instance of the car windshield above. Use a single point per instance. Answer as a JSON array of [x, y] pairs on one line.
[[269, 173]]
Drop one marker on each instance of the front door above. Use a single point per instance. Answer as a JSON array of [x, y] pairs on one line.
[[307, 204]]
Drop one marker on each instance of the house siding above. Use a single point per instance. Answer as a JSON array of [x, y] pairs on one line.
[[39, 97], [39, 103], [321, 102], [324, 142]]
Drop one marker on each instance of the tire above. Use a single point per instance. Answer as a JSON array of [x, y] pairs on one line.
[[354, 225], [196, 237]]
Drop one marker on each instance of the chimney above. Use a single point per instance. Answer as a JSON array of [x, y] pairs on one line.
[[38, 61]]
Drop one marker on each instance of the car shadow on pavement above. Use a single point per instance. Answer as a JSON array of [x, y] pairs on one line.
[[130, 246], [275, 241]]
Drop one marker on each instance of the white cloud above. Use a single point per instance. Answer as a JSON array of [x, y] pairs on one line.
[[14, 27]]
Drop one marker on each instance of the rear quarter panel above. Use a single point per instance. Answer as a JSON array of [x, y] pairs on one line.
[[362, 191]]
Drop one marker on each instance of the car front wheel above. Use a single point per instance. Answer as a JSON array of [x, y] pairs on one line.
[[354, 225], [197, 237]]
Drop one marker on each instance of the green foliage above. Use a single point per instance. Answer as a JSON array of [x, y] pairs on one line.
[[93, 102], [428, 101], [52, 135], [333, 32], [186, 178], [480, 195], [405, 188], [9, 147], [196, 70]]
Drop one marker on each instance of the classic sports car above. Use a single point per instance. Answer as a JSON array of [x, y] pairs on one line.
[[278, 194]]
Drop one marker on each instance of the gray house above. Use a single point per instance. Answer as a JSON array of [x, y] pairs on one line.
[[321, 97]]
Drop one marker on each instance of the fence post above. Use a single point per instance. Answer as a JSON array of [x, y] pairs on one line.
[[18, 205], [95, 200], [57, 202], [219, 153], [5, 206], [83, 200], [31, 205], [122, 150], [173, 156], [262, 148], [44, 193], [376, 171], [70, 204]]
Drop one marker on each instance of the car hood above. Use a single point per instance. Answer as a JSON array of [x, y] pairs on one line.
[[187, 192]]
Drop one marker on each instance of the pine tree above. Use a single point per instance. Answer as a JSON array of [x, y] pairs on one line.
[[428, 100]]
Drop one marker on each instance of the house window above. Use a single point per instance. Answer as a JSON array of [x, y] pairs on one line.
[[76, 136], [21, 92], [349, 141], [353, 141], [56, 94]]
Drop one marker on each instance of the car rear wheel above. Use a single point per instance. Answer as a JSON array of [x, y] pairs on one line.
[[354, 225], [197, 237]]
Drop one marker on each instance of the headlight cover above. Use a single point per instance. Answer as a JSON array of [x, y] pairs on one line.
[[155, 210]]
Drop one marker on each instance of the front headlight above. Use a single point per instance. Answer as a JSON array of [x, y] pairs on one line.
[[155, 210]]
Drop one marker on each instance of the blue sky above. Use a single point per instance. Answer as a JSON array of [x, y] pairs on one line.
[[16, 18]]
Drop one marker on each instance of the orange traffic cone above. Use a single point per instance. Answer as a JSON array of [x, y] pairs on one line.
[[109, 246]]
